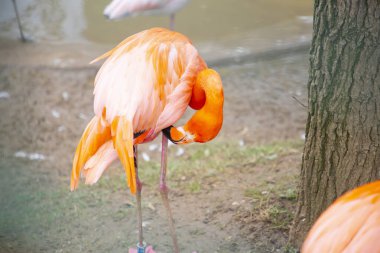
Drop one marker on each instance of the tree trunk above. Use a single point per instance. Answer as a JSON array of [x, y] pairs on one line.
[[342, 148]]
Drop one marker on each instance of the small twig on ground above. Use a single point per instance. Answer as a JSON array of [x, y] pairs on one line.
[[302, 104]]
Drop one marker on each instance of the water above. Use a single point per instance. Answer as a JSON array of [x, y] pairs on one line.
[[202, 20]]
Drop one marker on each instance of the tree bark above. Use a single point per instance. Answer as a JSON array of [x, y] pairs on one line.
[[342, 147]]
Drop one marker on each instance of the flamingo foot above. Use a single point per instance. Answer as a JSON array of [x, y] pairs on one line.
[[148, 249]]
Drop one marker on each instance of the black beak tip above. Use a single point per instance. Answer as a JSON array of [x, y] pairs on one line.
[[166, 132]]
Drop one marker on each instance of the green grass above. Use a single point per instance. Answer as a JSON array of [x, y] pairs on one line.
[[279, 216], [254, 193], [289, 194], [207, 160], [272, 201], [270, 210], [194, 187]]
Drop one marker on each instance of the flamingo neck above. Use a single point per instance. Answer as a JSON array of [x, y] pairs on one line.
[[208, 95]]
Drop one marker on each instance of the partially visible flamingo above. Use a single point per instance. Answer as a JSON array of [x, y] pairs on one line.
[[143, 88], [122, 8], [350, 224]]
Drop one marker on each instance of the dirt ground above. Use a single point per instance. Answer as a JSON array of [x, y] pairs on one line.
[[240, 198]]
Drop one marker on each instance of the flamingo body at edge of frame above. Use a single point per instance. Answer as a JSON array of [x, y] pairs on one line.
[[350, 224]]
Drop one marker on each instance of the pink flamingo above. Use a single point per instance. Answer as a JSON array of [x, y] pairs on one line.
[[122, 8], [143, 88]]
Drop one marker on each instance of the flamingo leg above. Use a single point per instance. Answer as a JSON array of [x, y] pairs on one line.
[[140, 245], [164, 192], [172, 18], [23, 38]]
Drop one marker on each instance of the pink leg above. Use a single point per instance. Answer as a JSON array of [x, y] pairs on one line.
[[164, 192], [138, 200], [171, 26]]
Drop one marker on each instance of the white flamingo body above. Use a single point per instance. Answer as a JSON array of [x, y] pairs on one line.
[[118, 9]]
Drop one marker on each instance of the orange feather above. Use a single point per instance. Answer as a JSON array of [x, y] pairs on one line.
[[94, 136]]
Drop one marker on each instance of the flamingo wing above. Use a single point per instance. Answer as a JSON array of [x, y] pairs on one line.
[[147, 78], [99, 162], [94, 136]]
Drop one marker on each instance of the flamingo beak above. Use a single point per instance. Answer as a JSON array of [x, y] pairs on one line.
[[177, 135]]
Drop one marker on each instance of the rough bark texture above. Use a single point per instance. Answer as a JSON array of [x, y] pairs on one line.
[[342, 148]]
